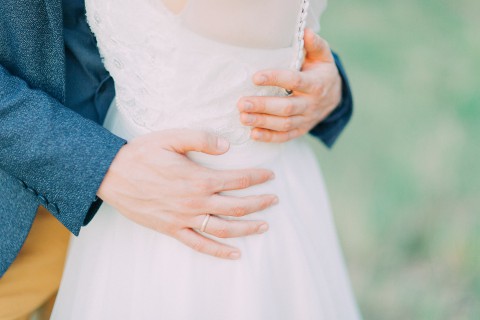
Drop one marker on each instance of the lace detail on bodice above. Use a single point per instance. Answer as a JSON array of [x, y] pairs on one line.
[[167, 76]]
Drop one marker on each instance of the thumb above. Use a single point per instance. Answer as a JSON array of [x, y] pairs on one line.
[[316, 47], [185, 140]]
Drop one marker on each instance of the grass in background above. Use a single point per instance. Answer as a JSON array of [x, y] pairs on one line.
[[405, 176]]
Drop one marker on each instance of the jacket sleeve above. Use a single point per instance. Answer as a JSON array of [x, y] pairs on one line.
[[55, 153], [330, 128]]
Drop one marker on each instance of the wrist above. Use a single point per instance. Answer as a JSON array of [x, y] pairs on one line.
[[105, 189]]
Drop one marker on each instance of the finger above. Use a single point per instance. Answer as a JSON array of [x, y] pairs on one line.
[[207, 246], [182, 141], [274, 123], [265, 135], [226, 180], [287, 79], [316, 47], [239, 206], [222, 228], [278, 106]]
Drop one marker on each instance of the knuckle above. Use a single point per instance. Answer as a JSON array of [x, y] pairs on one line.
[[287, 124], [318, 88], [198, 245], [260, 120], [307, 106], [274, 77], [259, 105], [288, 109], [175, 233], [294, 134], [222, 232], [192, 203], [210, 184], [243, 182], [238, 211], [205, 185], [297, 81], [169, 230], [269, 137], [283, 137]]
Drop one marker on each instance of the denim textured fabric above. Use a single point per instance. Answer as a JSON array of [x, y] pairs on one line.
[[49, 155]]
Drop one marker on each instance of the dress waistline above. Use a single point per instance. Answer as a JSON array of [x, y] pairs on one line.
[[246, 155]]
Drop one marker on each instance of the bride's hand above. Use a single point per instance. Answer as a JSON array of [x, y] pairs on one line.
[[153, 183], [316, 92]]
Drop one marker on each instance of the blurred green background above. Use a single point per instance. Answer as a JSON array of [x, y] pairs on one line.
[[404, 178]]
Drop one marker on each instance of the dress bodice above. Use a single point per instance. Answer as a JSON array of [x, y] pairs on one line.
[[181, 70]]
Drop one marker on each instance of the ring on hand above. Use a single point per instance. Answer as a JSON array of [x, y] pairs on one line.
[[205, 222]]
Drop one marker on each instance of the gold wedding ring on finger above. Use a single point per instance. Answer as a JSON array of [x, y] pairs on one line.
[[205, 222]]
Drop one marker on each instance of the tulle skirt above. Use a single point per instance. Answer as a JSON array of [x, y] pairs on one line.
[[119, 270]]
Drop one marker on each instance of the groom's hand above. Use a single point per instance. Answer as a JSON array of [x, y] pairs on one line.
[[153, 183], [316, 92]]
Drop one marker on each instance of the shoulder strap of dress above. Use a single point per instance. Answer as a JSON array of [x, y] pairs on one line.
[[299, 33]]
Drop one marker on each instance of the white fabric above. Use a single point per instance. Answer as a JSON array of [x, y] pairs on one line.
[[169, 76], [244, 22], [250, 23]]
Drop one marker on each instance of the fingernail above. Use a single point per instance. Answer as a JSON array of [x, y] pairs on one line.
[[247, 106], [272, 176], [222, 144], [234, 255], [262, 229], [275, 201]]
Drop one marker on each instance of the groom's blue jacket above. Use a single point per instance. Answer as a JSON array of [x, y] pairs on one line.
[[49, 154]]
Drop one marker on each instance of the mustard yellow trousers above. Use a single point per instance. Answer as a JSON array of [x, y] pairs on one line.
[[31, 283]]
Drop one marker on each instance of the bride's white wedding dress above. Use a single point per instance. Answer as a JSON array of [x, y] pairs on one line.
[[188, 70]]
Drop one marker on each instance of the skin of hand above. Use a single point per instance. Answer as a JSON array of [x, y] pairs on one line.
[[316, 93], [153, 183]]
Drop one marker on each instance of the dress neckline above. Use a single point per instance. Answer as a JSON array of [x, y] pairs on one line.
[[297, 43], [177, 20]]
